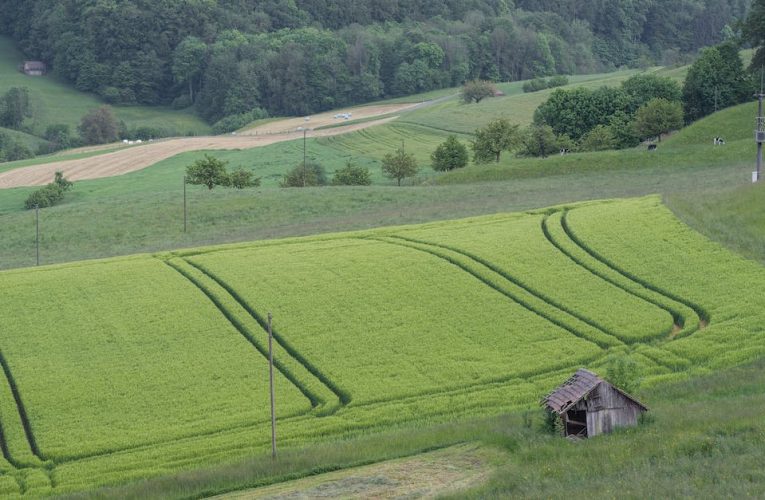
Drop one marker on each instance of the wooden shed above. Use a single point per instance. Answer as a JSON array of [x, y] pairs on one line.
[[588, 406]]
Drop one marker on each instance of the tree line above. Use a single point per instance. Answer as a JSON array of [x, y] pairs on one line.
[[234, 59]]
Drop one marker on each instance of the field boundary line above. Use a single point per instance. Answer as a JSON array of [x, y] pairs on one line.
[[410, 243], [678, 318], [25, 423], [341, 394], [507, 276], [315, 399], [703, 315]]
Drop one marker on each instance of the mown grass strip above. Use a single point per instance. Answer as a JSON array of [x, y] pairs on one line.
[[559, 238], [318, 394], [700, 311], [343, 396], [522, 297], [518, 283], [19, 440]]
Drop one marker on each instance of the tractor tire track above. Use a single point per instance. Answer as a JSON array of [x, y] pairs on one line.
[[441, 252], [343, 396], [518, 283], [315, 399], [642, 293], [702, 314], [23, 415]]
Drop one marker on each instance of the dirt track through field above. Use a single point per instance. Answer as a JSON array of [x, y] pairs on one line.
[[135, 158]]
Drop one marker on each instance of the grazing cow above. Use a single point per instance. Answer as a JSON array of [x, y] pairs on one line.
[[652, 147]]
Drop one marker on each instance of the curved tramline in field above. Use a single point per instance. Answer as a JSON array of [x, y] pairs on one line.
[[153, 364]]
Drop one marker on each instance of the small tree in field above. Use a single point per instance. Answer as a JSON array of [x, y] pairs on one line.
[[399, 165], [477, 90], [209, 171], [242, 178], [352, 175], [99, 126], [490, 141], [309, 175], [449, 155], [657, 117]]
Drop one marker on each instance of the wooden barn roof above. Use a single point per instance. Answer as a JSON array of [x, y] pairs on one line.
[[574, 389]]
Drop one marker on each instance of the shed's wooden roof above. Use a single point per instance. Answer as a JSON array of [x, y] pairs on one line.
[[574, 389]]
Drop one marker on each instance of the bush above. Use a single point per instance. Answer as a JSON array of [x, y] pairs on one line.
[[242, 178], [352, 175], [623, 373], [557, 81], [535, 85], [449, 155], [111, 95], [232, 123], [50, 194], [208, 171], [311, 175], [182, 102], [14, 151], [146, 133], [600, 138]]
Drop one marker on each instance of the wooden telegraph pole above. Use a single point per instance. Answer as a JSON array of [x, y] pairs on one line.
[[271, 383], [37, 233], [185, 211]]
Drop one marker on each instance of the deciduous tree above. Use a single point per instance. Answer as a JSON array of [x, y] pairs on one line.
[[657, 117], [399, 165], [449, 155], [490, 141]]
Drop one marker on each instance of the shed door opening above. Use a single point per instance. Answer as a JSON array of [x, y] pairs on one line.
[[576, 423]]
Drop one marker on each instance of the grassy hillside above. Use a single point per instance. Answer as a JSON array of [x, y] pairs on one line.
[[56, 102], [365, 337]]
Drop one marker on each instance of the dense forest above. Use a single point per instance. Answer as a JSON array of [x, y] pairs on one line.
[[247, 58]]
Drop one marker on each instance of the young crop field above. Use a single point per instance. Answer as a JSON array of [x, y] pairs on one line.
[[128, 368]]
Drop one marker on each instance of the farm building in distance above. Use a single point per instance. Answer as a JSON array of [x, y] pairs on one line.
[[34, 68], [588, 405]]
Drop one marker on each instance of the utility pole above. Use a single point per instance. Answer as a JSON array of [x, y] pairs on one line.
[[37, 232], [271, 383], [305, 131], [185, 211], [759, 133]]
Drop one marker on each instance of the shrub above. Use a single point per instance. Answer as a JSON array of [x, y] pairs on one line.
[[242, 178], [623, 373], [352, 175], [14, 151], [209, 171], [600, 138], [535, 85], [557, 81], [50, 194], [232, 123], [312, 174], [449, 155], [146, 133]]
